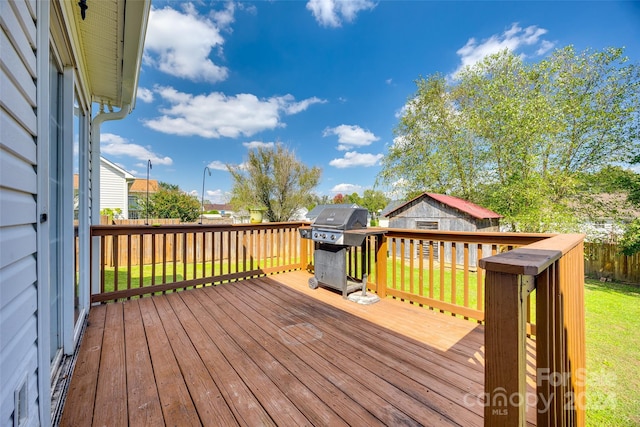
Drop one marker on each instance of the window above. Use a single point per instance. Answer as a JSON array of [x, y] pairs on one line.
[[426, 247]]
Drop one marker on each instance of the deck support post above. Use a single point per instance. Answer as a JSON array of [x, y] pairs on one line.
[[381, 266], [505, 348]]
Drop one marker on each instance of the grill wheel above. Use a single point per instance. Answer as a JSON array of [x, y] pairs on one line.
[[313, 283]]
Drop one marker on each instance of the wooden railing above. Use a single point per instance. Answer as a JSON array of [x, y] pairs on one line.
[[518, 285], [553, 267], [135, 260], [440, 270]]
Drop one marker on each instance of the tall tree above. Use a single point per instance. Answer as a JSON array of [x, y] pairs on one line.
[[374, 200], [518, 136], [273, 179]]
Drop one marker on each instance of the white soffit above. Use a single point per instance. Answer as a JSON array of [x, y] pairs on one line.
[[111, 42]]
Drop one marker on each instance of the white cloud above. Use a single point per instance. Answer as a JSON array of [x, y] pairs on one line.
[[331, 13], [512, 39], [215, 196], [353, 159], [216, 115], [116, 145], [545, 47], [346, 188], [225, 17], [351, 136], [258, 144], [217, 165], [145, 95], [179, 43], [297, 107]]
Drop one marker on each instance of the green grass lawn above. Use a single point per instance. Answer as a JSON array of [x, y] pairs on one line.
[[613, 354]]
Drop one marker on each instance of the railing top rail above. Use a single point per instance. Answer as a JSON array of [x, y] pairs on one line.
[[109, 230], [534, 258], [516, 239]]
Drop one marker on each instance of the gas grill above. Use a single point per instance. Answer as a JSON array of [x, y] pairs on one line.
[[335, 231]]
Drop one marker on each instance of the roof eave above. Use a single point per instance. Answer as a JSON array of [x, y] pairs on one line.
[[135, 29]]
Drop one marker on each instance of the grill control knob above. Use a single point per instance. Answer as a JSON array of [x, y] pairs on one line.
[[324, 236], [315, 235], [333, 237]]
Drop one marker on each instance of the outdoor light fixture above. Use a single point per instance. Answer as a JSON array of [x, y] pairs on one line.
[[83, 8], [148, 167], [204, 174]]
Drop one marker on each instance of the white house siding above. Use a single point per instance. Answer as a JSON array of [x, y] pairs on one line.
[[113, 189], [18, 210]]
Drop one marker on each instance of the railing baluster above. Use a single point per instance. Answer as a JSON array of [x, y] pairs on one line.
[[479, 281], [466, 274], [128, 261], [411, 257], [442, 256], [141, 265], [454, 261], [116, 262], [103, 263], [153, 259], [175, 256], [164, 257], [431, 269]]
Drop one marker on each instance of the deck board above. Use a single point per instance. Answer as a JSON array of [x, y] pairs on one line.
[[82, 390], [112, 377], [142, 393], [271, 351]]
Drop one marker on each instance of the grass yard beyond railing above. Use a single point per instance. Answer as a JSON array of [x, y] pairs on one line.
[[136, 260], [613, 353]]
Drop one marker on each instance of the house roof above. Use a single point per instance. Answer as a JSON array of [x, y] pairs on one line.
[[120, 171], [457, 203], [110, 42], [313, 213], [139, 185], [218, 207], [392, 205]]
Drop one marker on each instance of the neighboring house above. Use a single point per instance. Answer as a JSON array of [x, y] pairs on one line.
[[222, 208], [56, 66], [605, 216], [114, 187], [431, 211], [139, 190], [383, 219], [313, 213]]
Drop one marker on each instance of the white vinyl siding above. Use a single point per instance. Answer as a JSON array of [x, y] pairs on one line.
[[113, 189], [18, 210]]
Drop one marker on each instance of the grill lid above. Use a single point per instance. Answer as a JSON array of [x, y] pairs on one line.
[[342, 218]]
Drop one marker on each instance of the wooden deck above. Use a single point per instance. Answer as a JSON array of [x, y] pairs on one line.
[[271, 351]]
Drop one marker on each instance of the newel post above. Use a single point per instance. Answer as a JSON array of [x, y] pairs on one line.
[[505, 348], [510, 278]]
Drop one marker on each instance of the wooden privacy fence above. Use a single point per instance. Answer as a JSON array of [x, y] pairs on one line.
[[605, 260], [137, 260]]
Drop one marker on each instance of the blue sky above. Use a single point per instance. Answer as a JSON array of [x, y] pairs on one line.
[[325, 78]]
